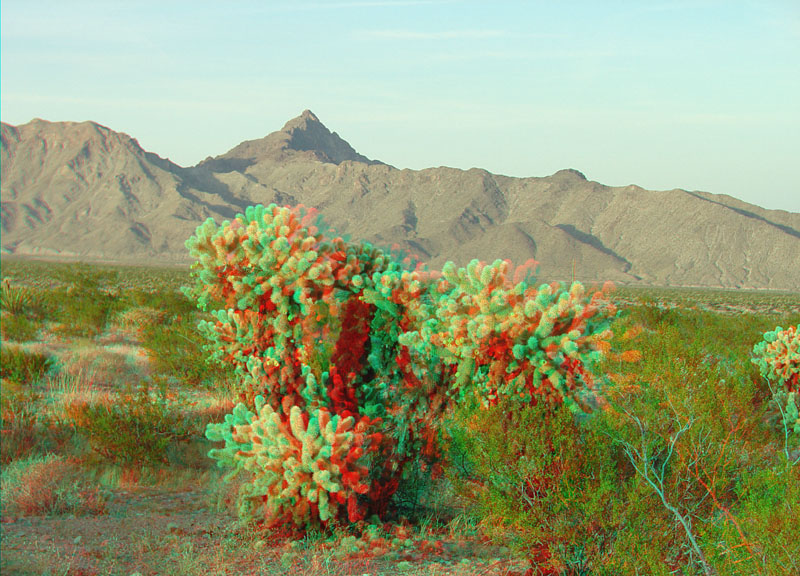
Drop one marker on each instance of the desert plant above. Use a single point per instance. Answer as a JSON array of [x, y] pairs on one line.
[[139, 318], [48, 484], [135, 429], [18, 327], [316, 326], [88, 298], [176, 350], [13, 299], [689, 424], [777, 357], [23, 366], [27, 427], [545, 483], [305, 469], [118, 367], [769, 511]]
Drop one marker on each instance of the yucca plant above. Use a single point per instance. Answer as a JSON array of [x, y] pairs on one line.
[[14, 299]]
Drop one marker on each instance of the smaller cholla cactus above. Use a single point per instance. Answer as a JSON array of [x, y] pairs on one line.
[[778, 357], [308, 469]]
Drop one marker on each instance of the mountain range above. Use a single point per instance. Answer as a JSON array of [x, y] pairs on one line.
[[83, 191]]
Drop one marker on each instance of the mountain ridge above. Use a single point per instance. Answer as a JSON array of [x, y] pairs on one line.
[[81, 190]]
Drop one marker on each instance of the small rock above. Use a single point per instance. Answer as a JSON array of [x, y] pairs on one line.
[[77, 540]]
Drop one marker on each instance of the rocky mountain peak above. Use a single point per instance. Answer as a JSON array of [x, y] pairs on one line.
[[570, 173], [307, 134], [302, 138], [306, 121]]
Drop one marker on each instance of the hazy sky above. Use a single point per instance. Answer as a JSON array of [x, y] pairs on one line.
[[701, 95]]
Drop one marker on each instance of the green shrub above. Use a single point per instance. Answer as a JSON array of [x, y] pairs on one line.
[[19, 365], [139, 317], [80, 314], [18, 328], [85, 302], [47, 484], [26, 427], [691, 429], [176, 350], [681, 437], [769, 512], [165, 299], [134, 429], [546, 485]]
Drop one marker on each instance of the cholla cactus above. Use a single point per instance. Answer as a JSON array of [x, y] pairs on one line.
[[323, 331], [278, 288], [307, 468], [512, 338], [778, 357]]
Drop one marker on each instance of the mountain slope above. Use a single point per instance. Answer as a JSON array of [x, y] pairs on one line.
[[301, 139], [116, 201], [80, 189]]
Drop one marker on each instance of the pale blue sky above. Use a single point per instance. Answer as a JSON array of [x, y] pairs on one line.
[[701, 95]]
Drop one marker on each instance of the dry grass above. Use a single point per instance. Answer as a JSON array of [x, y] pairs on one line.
[[115, 366], [139, 317], [41, 485]]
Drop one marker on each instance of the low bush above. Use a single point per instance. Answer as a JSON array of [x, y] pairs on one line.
[[545, 484], [139, 318], [49, 484], [167, 299], [677, 472], [135, 428], [18, 328], [27, 428], [769, 513], [691, 427], [176, 350], [80, 314], [115, 368], [85, 301], [23, 366]]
